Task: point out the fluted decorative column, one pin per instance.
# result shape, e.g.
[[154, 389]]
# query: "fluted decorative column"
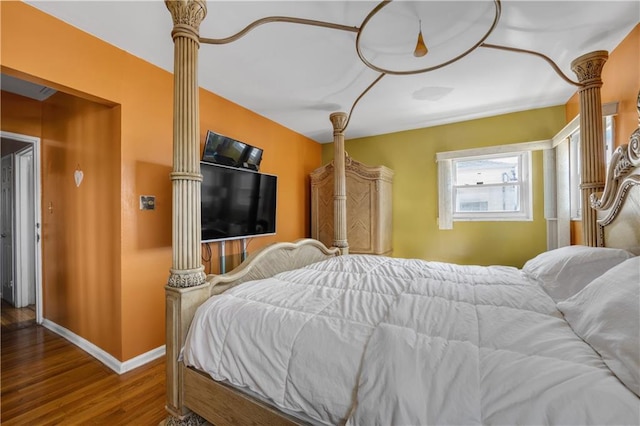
[[588, 68], [187, 269], [339, 120]]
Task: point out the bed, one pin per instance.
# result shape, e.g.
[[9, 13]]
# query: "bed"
[[374, 340], [300, 333]]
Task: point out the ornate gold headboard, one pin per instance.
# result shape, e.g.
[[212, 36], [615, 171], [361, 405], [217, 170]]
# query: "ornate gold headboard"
[[619, 206]]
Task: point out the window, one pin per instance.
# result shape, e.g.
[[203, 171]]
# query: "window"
[[491, 187], [486, 184], [575, 198], [574, 165]]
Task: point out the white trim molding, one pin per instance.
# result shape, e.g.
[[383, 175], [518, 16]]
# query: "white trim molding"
[[608, 109], [445, 162], [495, 150], [101, 355]]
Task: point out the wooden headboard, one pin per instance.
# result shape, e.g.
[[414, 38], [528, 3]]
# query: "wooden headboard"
[[619, 207]]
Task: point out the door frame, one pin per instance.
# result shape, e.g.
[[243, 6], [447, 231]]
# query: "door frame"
[[25, 227], [37, 194]]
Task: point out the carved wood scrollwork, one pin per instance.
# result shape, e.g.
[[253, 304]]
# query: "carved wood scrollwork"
[[634, 146], [620, 179], [187, 12], [589, 67], [624, 159], [191, 419], [188, 278]]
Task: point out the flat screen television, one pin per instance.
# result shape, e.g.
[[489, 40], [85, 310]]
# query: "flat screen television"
[[230, 152], [236, 203]]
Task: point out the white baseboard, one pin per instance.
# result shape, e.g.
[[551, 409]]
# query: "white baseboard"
[[100, 354]]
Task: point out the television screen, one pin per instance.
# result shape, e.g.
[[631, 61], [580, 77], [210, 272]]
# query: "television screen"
[[236, 203], [223, 150]]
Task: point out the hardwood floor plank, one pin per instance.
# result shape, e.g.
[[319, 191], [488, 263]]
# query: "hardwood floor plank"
[[46, 380]]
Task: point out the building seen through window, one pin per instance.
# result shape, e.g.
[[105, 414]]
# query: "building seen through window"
[[487, 184]]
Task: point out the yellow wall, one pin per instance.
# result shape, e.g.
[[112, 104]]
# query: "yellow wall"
[[136, 255], [411, 154]]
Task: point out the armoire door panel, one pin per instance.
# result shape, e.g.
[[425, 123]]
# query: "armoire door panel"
[[369, 207]]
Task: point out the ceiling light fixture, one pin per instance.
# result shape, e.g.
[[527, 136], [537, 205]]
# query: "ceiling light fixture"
[[421, 48]]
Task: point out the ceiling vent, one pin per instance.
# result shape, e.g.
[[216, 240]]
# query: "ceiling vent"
[[25, 88]]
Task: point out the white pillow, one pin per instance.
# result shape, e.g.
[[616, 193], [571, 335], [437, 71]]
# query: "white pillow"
[[606, 315], [565, 271]]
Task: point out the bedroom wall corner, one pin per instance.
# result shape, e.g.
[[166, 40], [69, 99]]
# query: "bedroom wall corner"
[[287, 154], [411, 154], [42, 49], [621, 83], [81, 238]]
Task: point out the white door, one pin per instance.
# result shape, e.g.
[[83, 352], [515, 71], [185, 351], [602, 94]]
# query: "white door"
[[25, 235], [20, 219], [6, 251]]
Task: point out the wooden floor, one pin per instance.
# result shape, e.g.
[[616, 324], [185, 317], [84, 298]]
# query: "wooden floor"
[[46, 380]]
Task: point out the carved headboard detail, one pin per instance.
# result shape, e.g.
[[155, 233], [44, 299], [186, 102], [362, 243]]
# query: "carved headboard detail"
[[619, 205]]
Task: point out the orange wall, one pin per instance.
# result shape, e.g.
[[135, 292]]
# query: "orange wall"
[[20, 115], [80, 224], [42, 49], [621, 83]]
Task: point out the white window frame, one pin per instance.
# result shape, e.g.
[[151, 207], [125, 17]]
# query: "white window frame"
[[575, 194], [575, 197], [523, 184], [446, 187], [557, 209]]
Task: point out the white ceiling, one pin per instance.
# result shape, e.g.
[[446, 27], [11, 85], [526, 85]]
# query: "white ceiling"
[[296, 75]]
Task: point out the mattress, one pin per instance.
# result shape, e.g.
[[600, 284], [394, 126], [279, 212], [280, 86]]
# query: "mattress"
[[376, 340]]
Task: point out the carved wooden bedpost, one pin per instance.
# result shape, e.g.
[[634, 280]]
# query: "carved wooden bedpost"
[[588, 68], [187, 269], [339, 120]]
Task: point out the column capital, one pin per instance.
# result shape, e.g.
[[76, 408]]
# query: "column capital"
[[588, 67], [182, 278], [187, 16], [338, 120]]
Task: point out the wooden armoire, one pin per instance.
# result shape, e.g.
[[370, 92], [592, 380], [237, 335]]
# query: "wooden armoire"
[[369, 207]]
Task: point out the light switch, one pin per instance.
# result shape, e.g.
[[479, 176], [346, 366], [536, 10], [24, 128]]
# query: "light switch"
[[147, 202]]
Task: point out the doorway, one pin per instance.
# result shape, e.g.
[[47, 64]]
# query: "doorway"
[[20, 216]]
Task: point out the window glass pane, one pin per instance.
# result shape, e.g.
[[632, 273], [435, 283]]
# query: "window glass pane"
[[487, 198], [488, 170], [608, 139]]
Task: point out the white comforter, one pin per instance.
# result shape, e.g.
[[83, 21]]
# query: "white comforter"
[[382, 341]]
